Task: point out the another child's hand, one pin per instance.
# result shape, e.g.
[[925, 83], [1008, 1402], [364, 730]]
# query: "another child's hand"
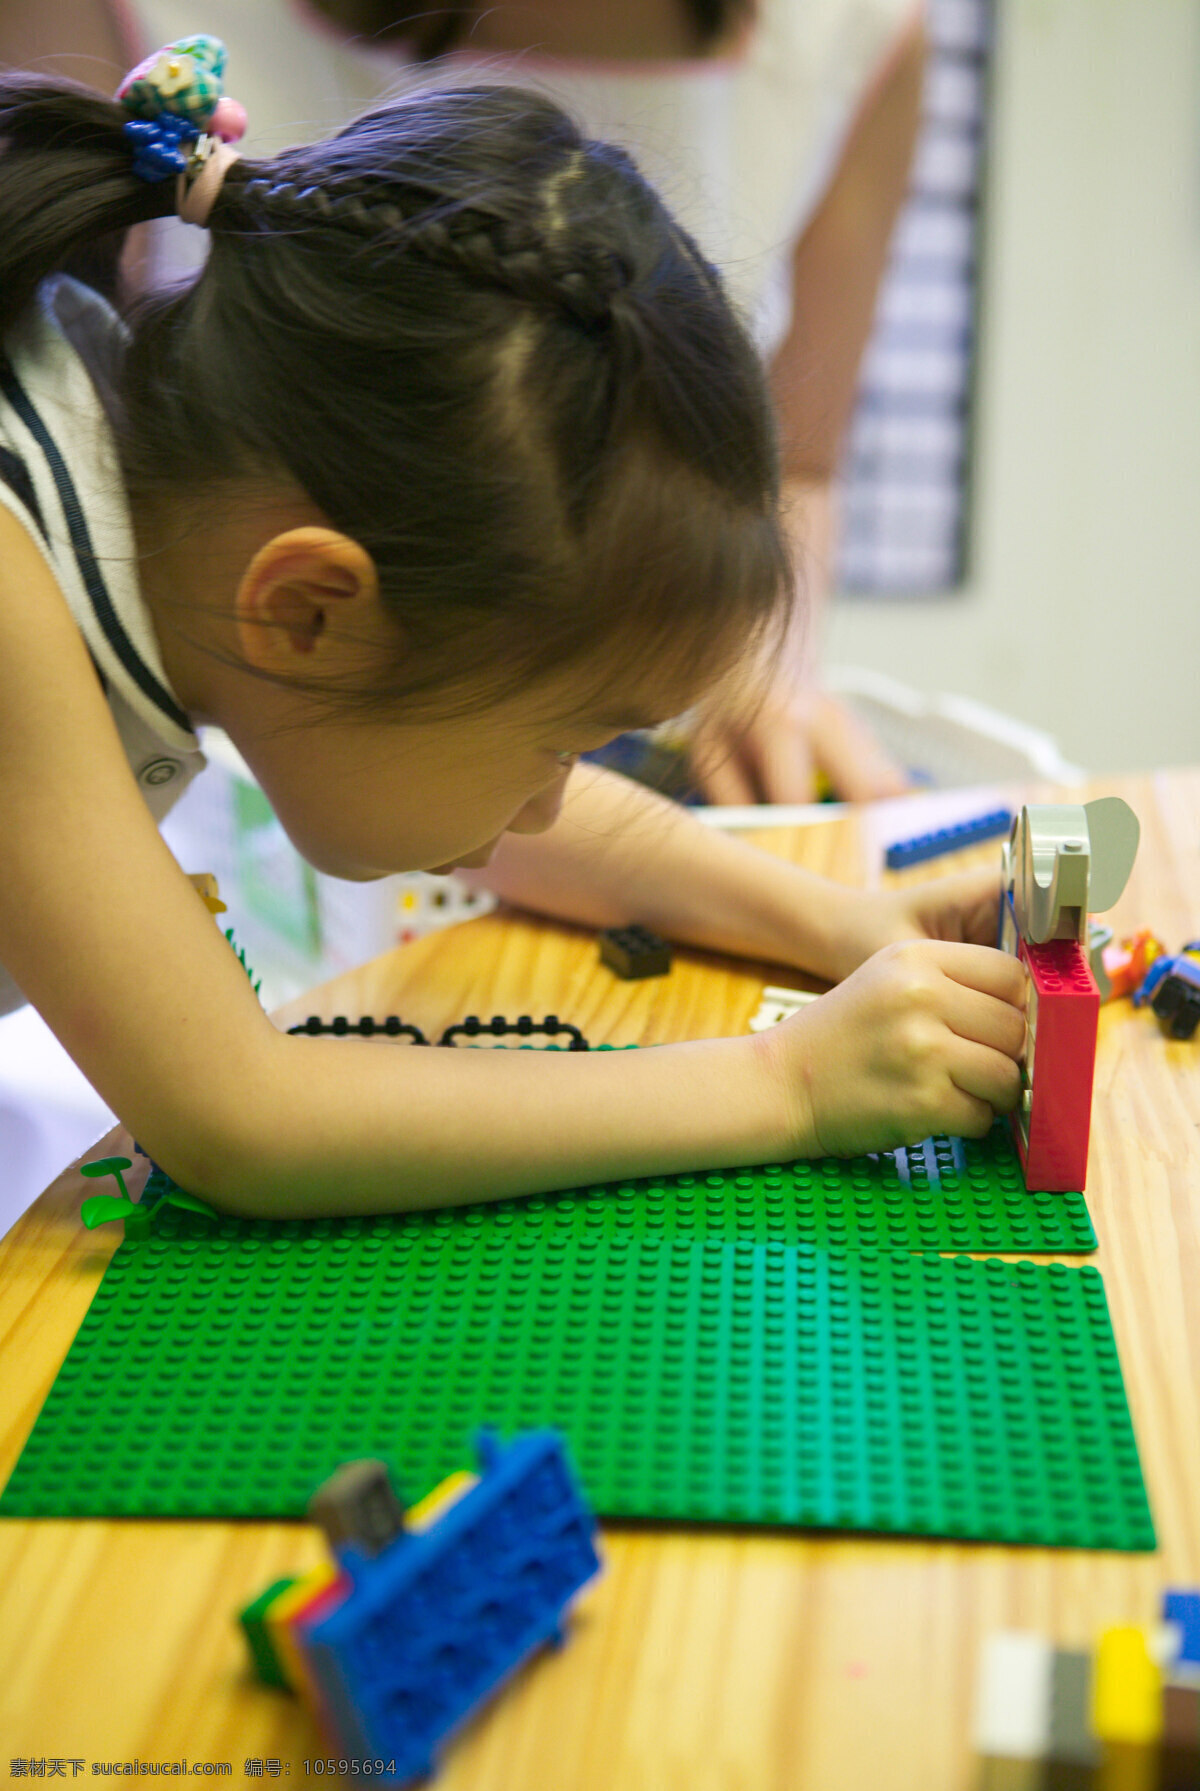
[[963, 908], [924, 1037]]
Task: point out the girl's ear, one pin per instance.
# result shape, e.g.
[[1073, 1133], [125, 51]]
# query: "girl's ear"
[[308, 595]]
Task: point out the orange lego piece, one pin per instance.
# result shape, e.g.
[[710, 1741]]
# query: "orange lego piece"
[[1127, 961]]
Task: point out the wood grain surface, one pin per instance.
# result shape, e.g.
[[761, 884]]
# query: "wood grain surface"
[[703, 1660]]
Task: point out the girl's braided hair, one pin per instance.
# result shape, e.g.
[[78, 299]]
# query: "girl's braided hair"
[[476, 341]]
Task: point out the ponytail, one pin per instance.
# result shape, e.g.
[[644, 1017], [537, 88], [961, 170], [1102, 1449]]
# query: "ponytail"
[[68, 192]]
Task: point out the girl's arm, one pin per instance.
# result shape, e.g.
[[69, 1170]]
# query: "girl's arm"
[[108, 939], [620, 854]]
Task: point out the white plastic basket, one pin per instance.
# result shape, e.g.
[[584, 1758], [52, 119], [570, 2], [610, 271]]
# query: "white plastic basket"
[[948, 742], [951, 740]]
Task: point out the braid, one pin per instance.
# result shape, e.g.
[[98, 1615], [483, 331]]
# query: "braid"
[[480, 346], [508, 254]]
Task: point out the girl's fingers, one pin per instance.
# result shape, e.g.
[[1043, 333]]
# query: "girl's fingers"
[[984, 1019], [855, 761], [726, 785], [985, 969], [973, 1117], [986, 1076], [720, 772], [965, 905], [786, 764]]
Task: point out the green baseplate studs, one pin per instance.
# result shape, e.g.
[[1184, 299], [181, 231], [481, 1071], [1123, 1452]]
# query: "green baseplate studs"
[[765, 1347]]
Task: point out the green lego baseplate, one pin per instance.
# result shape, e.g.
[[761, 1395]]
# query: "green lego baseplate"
[[226, 1367]]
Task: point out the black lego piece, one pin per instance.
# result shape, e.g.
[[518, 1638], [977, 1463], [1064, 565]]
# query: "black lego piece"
[[471, 1028], [340, 1027], [632, 952], [1176, 1000], [498, 1027]]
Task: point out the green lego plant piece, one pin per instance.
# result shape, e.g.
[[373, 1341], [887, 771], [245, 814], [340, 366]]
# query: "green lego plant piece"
[[253, 1620], [240, 955], [225, 1369], [190, 1203], [100, 1209], [108, 1166]]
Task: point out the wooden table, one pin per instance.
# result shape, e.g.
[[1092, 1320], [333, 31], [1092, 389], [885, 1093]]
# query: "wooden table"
[[703, 1661]]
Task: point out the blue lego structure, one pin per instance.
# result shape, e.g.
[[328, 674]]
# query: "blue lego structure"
[[434, 1621], [1184, 1608], [948, 839], [1172, 988]]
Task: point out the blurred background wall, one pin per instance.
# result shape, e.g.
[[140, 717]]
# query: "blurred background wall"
[[1082, 607]]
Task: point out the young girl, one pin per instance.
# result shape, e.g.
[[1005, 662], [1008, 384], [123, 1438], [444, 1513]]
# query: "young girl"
[[452, 463]]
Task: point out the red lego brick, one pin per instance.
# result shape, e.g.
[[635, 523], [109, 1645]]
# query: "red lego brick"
[[1051, 1125]]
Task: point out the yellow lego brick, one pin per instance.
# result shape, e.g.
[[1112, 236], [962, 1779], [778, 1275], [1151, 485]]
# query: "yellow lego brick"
[[301, 1675], [205, 885], [425, 1513], [1127, 1701], [279, 1617]]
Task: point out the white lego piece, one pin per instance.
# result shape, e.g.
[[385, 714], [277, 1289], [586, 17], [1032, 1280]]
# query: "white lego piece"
[[778, 1004], [1012, 1702], [768, 814], [1165, 1642]]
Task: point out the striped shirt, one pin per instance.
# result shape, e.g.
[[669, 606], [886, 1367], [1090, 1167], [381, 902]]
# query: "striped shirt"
[[60, 477]]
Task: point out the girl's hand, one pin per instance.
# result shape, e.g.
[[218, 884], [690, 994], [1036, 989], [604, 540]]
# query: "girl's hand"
[[924, 1037], [962, 909], [776, 755]]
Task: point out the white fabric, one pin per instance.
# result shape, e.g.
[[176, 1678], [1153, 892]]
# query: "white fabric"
[[296, 81], [61, 356], [741, 150]]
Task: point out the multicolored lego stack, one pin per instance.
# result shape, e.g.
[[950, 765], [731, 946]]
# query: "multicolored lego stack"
[[1124, 1718], [417, 1619]]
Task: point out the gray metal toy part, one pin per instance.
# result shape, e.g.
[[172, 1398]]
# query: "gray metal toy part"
[[357, 1506], [1064, 860], [1099, 938]]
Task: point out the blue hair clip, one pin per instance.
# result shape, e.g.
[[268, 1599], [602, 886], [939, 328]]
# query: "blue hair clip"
[[161, 146], [175, 97]]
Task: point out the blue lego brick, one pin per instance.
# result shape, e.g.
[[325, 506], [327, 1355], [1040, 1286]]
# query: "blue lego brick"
[[1175, 997], [434, 1623], [1182, 963], [948, 839], [1184, 1608], [1160, 969]]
